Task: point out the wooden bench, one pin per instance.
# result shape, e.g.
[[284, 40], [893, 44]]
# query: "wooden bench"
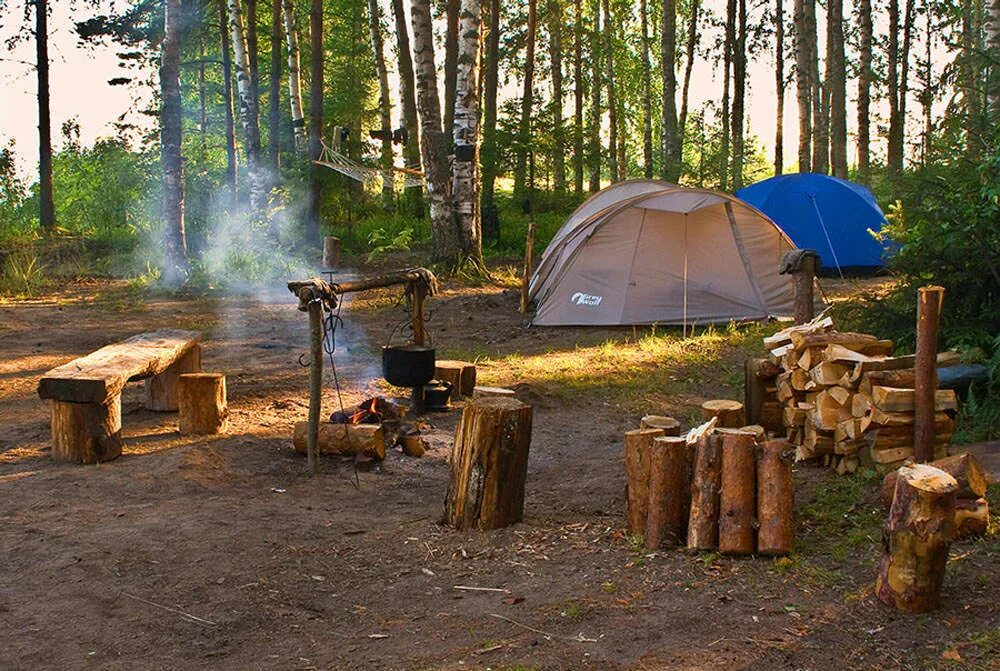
[[86, 392]]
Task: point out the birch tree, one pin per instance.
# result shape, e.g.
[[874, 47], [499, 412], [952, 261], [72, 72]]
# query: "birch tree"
[[384, 103], [691, 48], [294, 78], [408, 103], [466, 134], [249, 116]]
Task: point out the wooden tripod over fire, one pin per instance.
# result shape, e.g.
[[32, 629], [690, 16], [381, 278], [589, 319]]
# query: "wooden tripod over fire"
[[316, 296]]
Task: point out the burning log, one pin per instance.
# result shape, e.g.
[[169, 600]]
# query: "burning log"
[[343, 439]]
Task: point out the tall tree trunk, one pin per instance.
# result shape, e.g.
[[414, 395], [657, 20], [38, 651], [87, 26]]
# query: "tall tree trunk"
[[252, 44], [384, 103], [820, 100], [171, 118], [248, 112], [465, 166], [613, 166], [433, 144], [892, 76], [927, 94], [647, 96], [693, 36], [451, 37], [527, 100], [555, 51], [898, 132], [488, 152], [969, 83], [227, 94], [594, 140], [316, 59], [274, 90], [671, 141], [836, 80], [294, 77], [727, 68], [46, 204], [779, 87], [202, 96], [865, 77], [578, 96], [803, 81], [992, 38], [407, 95], [739, 94]]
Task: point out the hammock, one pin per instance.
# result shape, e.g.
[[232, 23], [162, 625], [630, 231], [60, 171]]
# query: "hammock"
[[333, 159]]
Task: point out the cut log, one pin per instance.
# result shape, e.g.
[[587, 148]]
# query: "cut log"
[[638, 444], [161, 390], [706, 482], [775, 499], [929, 300], [972, 517], [87, 433], [861, 405], [863, 343], [963, 467], [759, 434], [413, 446], [784, 336], [728, 413], [898, 399], [827, 373], [101, 375], [461, 375], [828, 412], [201, 399], [669, 425], [487, 392], [801, 380], [489, 464], [850, 429], [737, 498], [899, 418], [944, 359], [902, 377], [344, 439], [669, 492], [880, 440], [843, 355], [916, 539], [841, 395], [817, 441], [892, 455]]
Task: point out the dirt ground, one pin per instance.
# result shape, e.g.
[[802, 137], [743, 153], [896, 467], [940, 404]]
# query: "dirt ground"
[[224, 553]]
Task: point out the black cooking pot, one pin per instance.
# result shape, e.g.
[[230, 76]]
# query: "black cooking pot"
[[408, 365], [437, 395]]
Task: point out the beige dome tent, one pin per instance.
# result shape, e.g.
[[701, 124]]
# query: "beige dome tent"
[[645, 252]]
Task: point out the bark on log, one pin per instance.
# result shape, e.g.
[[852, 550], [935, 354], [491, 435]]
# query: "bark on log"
[[201, 399], [916, 539], [706, 482], [896, 399], [364, 439], [489, 464], [87, 433], [638, 444], [737, 498], [729, 413], [161, 390], [754, 390], [925, 402], [972, 517], [461, 374], [669, 492], [669, 425], [963, 467], [775, 499]]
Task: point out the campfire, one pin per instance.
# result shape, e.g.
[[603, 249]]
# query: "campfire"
[[369, 411]]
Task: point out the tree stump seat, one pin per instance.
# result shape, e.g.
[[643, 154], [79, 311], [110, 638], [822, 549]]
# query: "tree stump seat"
[[86, 392]]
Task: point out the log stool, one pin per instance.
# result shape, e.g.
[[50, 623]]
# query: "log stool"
[[489, 464], [461, 374], [201, 401], [161, 390], [87, 433], [729, 413], [669, 425]]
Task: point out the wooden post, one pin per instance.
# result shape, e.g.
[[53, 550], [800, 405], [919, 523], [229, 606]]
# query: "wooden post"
[[87, 433], [201, 400], [775, 499], [161, 390], [706, 481], [529, 251], [315, 381], [803, 280], [489, 464], [916, 539], [669, 492], [737, 498], [638, 444], [929, 300], [754, 390], [331, 252]]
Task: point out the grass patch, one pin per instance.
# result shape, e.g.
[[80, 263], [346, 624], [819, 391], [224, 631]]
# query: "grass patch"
[[842, 517]]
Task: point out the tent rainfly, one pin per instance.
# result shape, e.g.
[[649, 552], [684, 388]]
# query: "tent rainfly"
[[833, 216], [649, 252]]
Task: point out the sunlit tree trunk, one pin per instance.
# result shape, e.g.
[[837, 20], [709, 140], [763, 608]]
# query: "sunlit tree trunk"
[[274, 90], [693, 37], [407, 95], [779, 87], [579, 92], [384, 103], [527, 100], [248, 112], [451, 38], [465, 173], [836, 81], [670, 138], [294, 77], [227, 94], [252, 48], [927, 94], [316, 60], [171, 118], [609, 77], [433, 144], [555, 56], [865, 77], [594, 138], [820, 100], [739, 94], [727, 65], [647, 97], [488, 153], [46, 204], [803, 81]]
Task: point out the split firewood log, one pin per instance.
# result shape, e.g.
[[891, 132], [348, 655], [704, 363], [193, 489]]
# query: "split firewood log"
[[963, 467], [706, 483], [898, 399], [775, 498]]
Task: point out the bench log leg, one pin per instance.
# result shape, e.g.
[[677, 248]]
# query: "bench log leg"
[[87, 433], [161, 390]]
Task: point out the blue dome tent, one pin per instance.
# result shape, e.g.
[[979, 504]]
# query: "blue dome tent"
[[831, 215]]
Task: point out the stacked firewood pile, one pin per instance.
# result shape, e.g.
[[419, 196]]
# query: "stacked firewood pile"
[[846, 400]]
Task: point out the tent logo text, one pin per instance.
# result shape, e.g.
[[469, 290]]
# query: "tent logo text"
[[580, 298]]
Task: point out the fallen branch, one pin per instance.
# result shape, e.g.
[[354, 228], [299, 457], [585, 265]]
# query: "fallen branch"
[[579, 638], [189, 616], [469, 588]]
